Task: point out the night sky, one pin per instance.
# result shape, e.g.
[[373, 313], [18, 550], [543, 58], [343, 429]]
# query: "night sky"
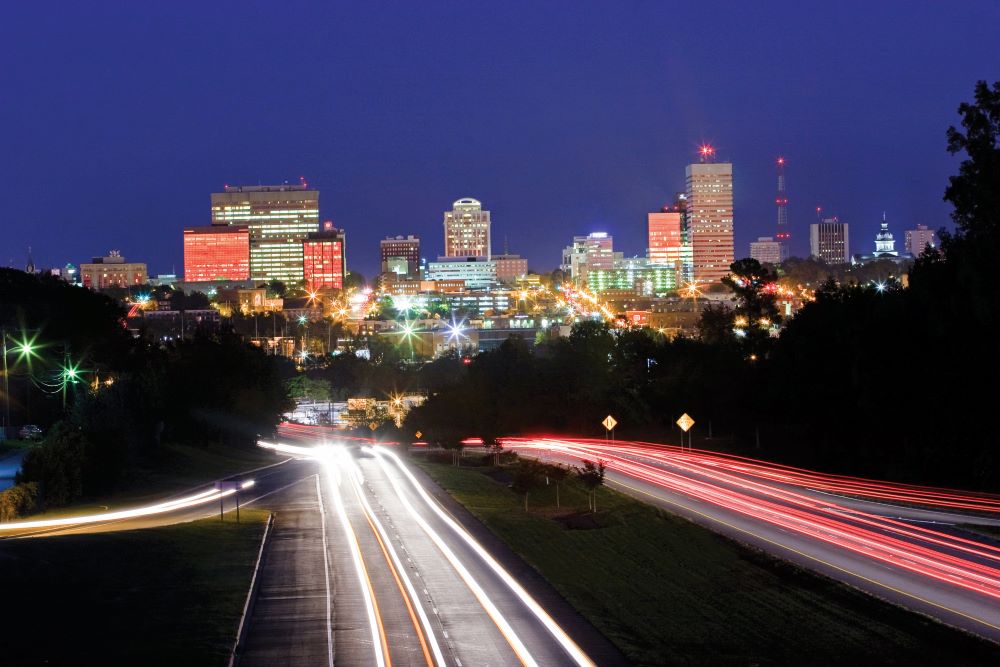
[[118, 119]]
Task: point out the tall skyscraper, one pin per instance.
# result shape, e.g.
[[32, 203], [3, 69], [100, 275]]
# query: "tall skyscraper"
[[919, 239], [324, 258], [829, 240], [467, 230], [400, 255], [710, 217], [278, 217], [216, 252]]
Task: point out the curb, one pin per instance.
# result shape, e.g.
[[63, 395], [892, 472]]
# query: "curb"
[[241, 631]]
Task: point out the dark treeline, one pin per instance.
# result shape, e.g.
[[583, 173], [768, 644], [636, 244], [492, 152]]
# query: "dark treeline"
[[897, 383], [127, 396]]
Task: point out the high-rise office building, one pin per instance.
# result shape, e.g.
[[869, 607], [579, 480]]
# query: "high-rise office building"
[[767, 251], [400, 255], [668, 239], [324, 259], [829, 240], [216, 252], [278, 217], [467, 230], [919, 239], [594, 251], [710, 218]]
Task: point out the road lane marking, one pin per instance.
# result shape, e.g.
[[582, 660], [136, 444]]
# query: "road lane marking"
[[406, 592], [564, 640], [379, 642], [506, 631], [326, 572]]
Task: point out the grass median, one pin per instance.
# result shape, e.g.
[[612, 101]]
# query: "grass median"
[[667, 591], [161, 596]]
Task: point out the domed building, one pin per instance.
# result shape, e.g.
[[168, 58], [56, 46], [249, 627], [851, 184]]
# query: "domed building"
[[885, 248], [885, 245]]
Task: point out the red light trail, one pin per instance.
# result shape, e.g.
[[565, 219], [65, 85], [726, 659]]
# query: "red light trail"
[[784, 496]]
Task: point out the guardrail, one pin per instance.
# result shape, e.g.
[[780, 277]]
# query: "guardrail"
[[234, 655]]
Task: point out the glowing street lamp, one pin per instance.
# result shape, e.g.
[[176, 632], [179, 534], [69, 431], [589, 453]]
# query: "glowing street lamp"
[[455, 331]]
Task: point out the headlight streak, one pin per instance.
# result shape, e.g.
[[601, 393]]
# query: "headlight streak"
[[382, 658], [339, 466], [149, 510], [564, 640], [502, 624], [399, 573], [805, 516]]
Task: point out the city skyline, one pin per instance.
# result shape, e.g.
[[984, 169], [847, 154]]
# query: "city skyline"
[[551, 158]]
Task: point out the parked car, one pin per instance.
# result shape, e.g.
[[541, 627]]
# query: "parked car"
[[30, 432]]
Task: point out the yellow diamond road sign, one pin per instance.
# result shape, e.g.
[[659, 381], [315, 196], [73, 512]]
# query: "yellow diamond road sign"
[[373, 425], [419, 435], [609, 422], [685, 422]]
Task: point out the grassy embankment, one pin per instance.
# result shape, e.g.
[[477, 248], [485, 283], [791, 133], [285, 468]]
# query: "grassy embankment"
[[667, 591], [162, 596]]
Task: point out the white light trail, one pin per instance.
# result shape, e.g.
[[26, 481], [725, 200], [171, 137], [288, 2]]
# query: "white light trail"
[[424, 620], [136, 512], [325, 457], [502, 624], [568, 645]]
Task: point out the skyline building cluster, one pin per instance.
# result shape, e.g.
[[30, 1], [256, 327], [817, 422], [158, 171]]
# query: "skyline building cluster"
[[265, 233], [688, 242]]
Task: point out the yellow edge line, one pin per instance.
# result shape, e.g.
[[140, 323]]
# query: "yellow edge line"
[[402, 591]]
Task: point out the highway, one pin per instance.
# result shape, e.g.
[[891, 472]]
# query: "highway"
[[898, 542], [365, 567], [391, 574]]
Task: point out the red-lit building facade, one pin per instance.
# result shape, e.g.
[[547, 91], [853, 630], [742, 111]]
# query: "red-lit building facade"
[[217, 252], [324, 261]]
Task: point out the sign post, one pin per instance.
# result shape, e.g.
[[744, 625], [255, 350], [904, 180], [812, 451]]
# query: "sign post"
[[229, 485], [609, 424], [685, 422]]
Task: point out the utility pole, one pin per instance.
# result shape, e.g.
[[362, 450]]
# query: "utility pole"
[[6, 385]]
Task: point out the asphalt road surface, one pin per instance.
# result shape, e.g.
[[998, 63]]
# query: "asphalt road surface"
[[370, 564], [916, 556], [366, 567]]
